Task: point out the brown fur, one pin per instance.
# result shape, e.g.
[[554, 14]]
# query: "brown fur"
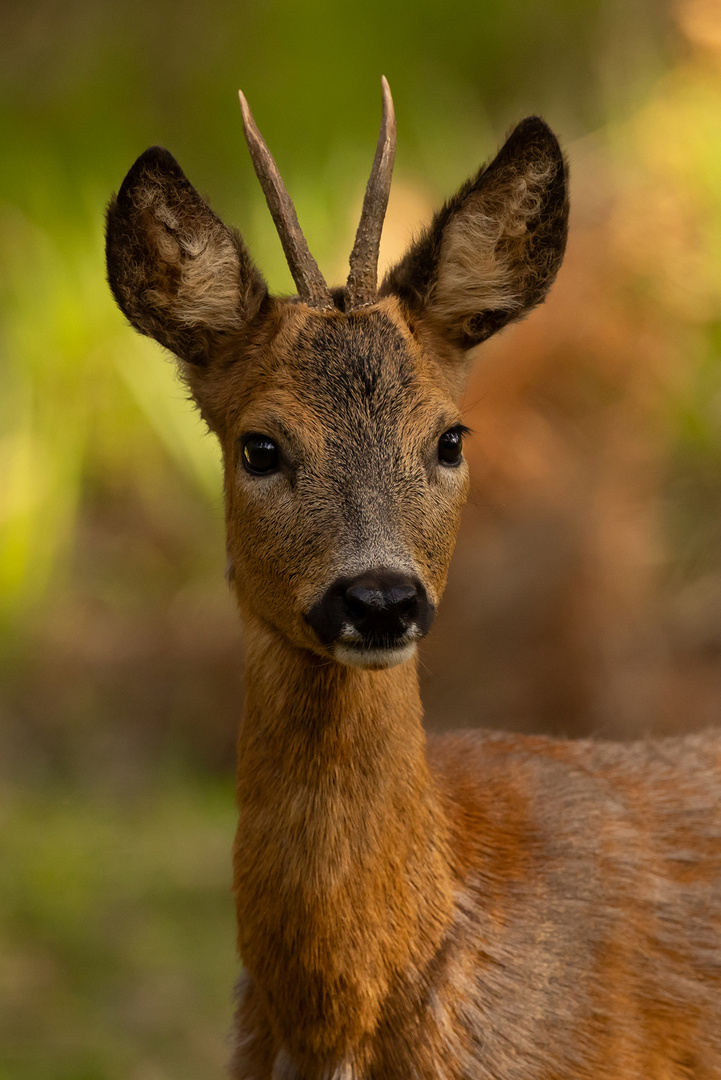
[[490, 907]]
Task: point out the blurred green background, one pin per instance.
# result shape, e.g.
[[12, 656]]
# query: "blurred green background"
[[586, 591]]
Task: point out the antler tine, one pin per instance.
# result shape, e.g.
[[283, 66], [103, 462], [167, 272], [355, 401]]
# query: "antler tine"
[[308, 279], [362, 279]]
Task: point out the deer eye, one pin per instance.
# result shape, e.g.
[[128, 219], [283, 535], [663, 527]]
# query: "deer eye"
[[260, 455], [450, 445]]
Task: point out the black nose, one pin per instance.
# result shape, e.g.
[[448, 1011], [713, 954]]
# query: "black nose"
[[376, 609], [380, 607]]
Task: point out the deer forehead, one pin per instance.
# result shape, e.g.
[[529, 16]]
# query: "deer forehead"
[[333, 380]]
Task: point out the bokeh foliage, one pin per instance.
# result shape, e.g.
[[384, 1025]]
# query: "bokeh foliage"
[[116, 936]]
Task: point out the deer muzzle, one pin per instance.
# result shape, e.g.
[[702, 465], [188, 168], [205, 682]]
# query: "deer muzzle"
[[374, 619]]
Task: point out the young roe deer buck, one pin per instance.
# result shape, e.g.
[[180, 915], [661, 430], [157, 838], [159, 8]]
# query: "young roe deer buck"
[[474, 906]]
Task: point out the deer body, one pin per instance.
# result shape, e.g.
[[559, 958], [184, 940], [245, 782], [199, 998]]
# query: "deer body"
[[496, 907], [488, 906]]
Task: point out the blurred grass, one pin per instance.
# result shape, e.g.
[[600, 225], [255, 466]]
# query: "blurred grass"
[[116, 954]]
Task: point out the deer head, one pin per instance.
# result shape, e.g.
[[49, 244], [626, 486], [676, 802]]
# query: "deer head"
[[336, 410]]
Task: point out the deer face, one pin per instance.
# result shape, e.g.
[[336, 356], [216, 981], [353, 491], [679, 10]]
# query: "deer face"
[[344, 482], [336, 413]]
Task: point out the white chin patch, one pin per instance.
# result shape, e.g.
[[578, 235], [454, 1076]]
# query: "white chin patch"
[[374, 658]]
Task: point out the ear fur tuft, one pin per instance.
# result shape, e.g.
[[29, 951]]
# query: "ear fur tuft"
[[177, 273], [491, 254]]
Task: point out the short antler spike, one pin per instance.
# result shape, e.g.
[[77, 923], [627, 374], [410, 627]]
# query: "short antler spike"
[[362, 279], [308, 279]]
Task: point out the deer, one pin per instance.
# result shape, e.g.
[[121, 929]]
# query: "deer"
[[473, 906]]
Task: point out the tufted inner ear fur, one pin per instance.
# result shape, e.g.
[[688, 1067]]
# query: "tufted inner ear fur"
[[491, 254], [177, 272]]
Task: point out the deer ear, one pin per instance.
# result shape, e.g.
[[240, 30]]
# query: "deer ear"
[[176, 271], [491, 254]]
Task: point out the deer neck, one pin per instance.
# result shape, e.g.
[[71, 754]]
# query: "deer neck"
[[342, 879]]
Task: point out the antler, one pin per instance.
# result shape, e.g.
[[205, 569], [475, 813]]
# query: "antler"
[[308, 279], [361, 288]]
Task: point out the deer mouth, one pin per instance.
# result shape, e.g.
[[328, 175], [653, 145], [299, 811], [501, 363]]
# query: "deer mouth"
[[354, 650]]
